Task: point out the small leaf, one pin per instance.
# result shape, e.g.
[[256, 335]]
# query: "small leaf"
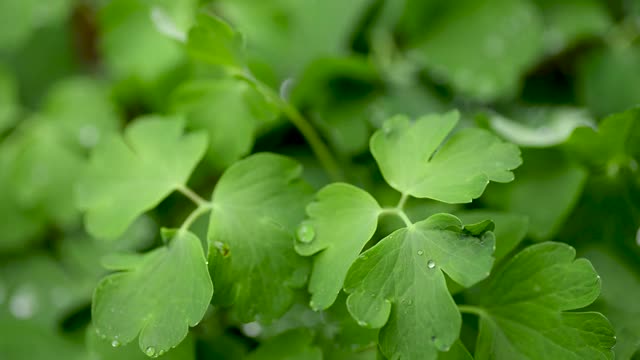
[[525, 309], [399, 285], [214, 42], [414, 161], [157, 295], [139, 169], [343, 218], [257, 205]]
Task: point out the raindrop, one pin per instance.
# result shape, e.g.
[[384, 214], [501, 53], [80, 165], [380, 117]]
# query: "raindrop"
[[431, 264], [305, 233], [115, 343], [252, 329], [362, 323], [420, 252], [88, 136], [23, 304], [151, 351]]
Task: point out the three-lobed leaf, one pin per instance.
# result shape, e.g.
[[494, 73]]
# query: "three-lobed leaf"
[[341, 221], [157, 296], [399, 284], [414, 160], [526, 307], [138, 170], [257, 205]]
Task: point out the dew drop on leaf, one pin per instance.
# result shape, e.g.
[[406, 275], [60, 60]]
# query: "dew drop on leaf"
[[431, 264], [362, 323], [420, 252], [151, 351], [115, 343], [305, 233]]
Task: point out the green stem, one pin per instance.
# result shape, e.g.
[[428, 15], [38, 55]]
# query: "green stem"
[[197, 199], [195, 214], [399, 213], [470, 309], [319, 148], [403, 201]]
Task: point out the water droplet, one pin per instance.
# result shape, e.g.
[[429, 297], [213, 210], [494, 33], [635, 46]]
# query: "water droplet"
[[362, 323], [314, 306], [161, 352], [206, 262], [363, 257], [305, 233], [420, 252], [431, 264], [88, 136], [23, 304], [252, 329], [115, 343], [151, 351]]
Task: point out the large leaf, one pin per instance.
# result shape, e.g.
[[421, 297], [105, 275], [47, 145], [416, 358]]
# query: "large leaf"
[[414, 161], [525, 309], [139, 169], [341, 221], [465, 46], [157, 295], [399, 284], [257, 204]]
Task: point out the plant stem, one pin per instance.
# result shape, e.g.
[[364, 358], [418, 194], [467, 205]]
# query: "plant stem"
[[195, 214], [470, 309], [403, 201], [399, 213], [319, 148], [197, 199]]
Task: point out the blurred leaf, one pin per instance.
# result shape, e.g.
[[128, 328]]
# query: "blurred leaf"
[[214, 42], [609, 79], [19, 19], [152, 159], [292, 345], [465, 46], [9, 105], [82, 109], [569, 21], [229, 110], [539, 127], [289, 34], [546, 189]]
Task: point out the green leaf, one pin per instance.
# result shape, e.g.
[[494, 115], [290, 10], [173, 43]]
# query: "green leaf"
[[341, 221], [399, 284], [19, 19], [83, 110], [139, 169], [547, 200], [291, 345], [509, 232], [101, 349], [212, 41], [465, 46], [608, 79], [157, 295], [414, 161], [289, 34], [132, 46], [257, 204], [569, 21], [620, 291], [526, 307], [228, 109], [9, 106]]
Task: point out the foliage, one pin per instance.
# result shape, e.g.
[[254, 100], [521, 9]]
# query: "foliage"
[[286, 179]]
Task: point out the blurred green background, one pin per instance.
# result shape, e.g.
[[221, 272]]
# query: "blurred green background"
[[532, 71]]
